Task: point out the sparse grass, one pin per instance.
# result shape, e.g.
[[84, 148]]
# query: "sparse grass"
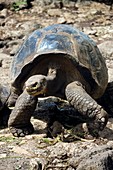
[[46, 140], [16, 6], [8, 139]]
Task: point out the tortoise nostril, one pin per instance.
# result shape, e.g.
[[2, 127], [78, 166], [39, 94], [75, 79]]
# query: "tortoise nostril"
[[34, 85]]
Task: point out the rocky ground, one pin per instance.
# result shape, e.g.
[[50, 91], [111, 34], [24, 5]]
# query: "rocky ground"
[[36, 152]]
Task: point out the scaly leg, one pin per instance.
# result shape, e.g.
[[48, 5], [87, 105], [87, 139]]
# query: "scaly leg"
[[19, 120], [107, 99], [14, 94], [86, 105]]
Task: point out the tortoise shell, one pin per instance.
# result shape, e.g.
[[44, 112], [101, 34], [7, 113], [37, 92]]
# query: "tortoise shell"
[[62, 39]]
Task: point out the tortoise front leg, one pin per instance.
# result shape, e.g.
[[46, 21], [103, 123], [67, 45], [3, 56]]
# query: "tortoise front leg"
[[19, 120], [86, 105]]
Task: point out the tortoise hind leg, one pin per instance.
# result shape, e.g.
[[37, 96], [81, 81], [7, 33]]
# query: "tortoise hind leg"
[[107, 99], [14, 94], [19, 120], [86, 105]]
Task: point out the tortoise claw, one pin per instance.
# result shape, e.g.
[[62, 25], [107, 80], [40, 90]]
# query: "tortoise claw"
[[102, 123], [21, 131], [99, 123], [101, 119]]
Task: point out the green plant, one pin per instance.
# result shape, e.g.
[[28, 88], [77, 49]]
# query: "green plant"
[[16, 6], [7, 139]]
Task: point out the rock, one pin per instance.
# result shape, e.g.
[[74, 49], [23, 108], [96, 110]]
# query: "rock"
[[89, 31], [28, 27], [21, 150], [61, 154], [44, 2], [14, 50], [107, 132], [3, 155], [110, 69], [69, 17], [98, 158], [61, 20], [54, 12], [55, 3], [55, 129], [4, 13], [4, 60], [38, 163], [106, 49], [95, 12], [52, 109]]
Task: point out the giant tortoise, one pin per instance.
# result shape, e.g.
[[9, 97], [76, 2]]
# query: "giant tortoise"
[[60, 61]]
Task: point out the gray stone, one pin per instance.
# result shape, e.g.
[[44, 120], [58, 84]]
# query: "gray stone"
[[110, 69], [54, 12], [106, 49], [4, 13], [38, 163], [98, 158], [5, 60]]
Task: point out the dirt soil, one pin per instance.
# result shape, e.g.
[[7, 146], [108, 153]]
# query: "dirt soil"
[[36, 152]]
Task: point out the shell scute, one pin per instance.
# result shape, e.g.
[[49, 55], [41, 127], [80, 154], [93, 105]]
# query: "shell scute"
[[55, 42], [23, 54]]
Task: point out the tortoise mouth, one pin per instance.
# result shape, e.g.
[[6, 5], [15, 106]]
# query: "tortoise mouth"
[[36, 91]]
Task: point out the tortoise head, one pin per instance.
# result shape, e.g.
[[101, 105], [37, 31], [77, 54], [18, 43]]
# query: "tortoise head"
[[36, 85]]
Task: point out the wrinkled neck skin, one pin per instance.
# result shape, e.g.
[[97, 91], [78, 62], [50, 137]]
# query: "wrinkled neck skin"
[[52, 74], [52, 81]]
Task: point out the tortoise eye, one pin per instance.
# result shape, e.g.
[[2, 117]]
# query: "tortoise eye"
[[43, 82]]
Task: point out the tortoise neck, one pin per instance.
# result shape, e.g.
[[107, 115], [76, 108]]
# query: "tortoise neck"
[[52, 74], [52, 81]]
